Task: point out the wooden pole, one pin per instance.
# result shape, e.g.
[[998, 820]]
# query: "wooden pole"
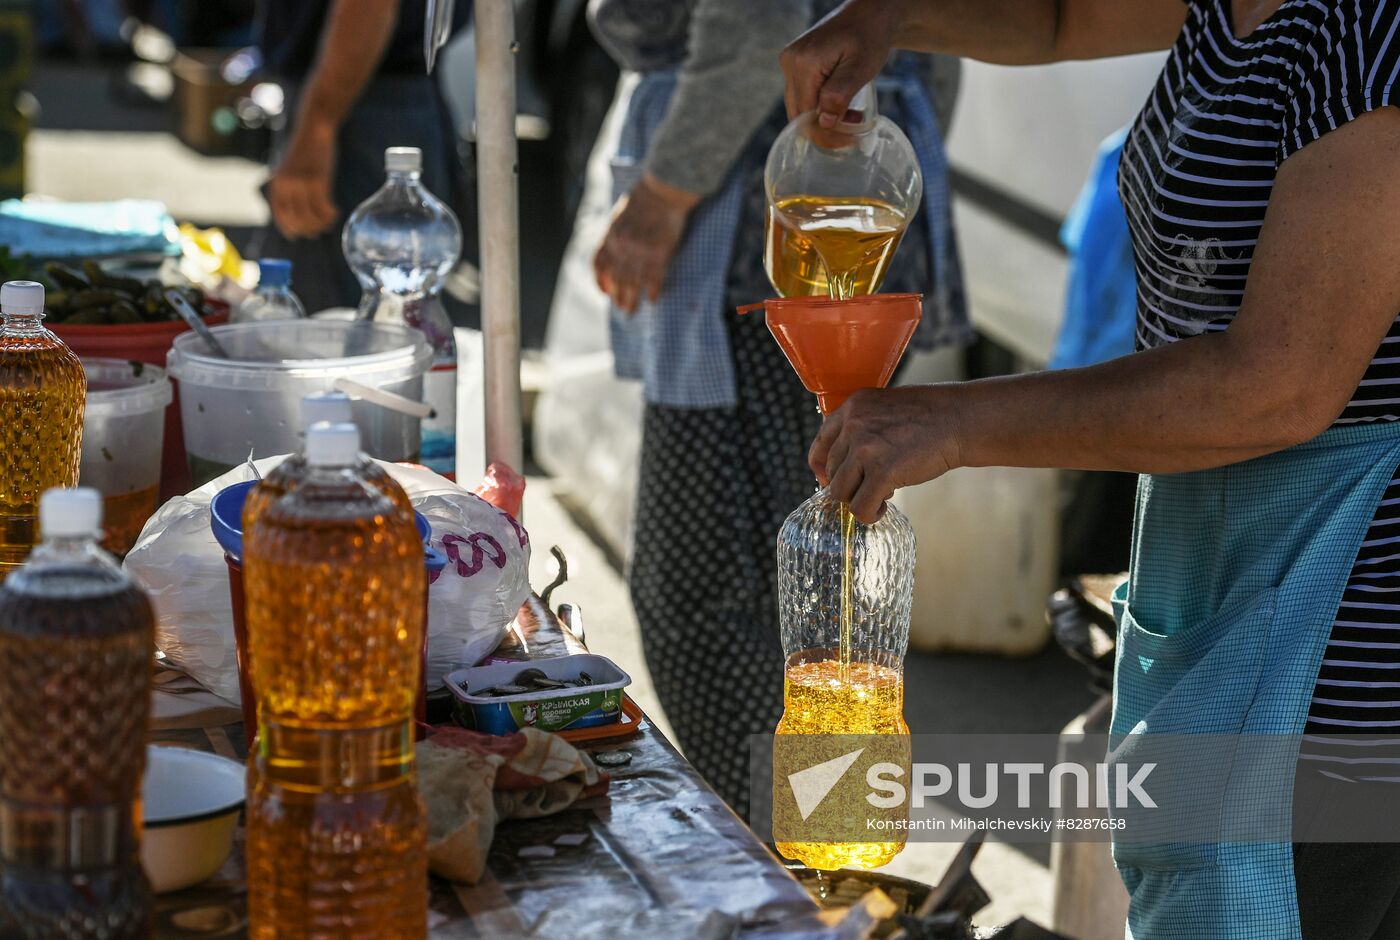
[[498, 205]]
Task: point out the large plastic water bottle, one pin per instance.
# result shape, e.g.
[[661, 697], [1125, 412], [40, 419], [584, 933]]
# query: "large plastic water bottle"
[[401, 243], [273, 300]]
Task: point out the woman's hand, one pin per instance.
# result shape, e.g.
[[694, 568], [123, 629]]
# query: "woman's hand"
[[882, 439], [829, 63], [646, 228]]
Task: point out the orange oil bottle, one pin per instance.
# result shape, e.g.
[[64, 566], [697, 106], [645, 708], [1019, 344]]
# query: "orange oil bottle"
[[334, 580], [42, 393]]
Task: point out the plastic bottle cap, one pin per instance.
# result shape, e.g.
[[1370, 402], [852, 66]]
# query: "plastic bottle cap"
[[403, 160], [22, 297], [332, 445], [70, 513], [332, 407], [274, 272]]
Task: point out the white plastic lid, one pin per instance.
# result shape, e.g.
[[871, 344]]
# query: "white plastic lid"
[[403, 160], [332, 445], [70, 513], [22, 297], [333, 407]]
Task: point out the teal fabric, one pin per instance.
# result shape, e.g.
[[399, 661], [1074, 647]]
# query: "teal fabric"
[[1235, 580]]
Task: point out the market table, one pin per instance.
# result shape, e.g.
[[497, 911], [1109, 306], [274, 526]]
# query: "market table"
[[660, 856]]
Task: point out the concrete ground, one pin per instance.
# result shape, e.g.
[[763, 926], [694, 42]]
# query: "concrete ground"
[[107, 157]]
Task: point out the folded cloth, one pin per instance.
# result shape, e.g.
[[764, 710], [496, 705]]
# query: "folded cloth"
[[469, 781], [54, 229]]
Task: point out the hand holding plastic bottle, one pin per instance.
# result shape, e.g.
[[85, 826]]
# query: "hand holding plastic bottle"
[[844, 51]]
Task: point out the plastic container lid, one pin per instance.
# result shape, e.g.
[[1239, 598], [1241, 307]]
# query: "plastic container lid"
[[334, 407], [403, 160], [117, 387], [282, 354], [332, 445], [22, 297], [274, 272], [74, 513], [226, 519]]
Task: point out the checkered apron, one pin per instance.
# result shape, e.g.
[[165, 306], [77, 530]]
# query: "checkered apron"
[[1236, 576]]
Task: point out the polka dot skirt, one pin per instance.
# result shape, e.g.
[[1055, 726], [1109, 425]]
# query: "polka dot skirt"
[[715, 487]]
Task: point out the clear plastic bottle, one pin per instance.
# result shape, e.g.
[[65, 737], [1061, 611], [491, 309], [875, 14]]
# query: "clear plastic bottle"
[[43, 392], [273, 300], [334, 578], [839, 201], [401, 243], [334, 408], [845, 596], [76, 641]]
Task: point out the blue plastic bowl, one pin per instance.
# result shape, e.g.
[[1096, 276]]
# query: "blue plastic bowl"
[[226, 519]]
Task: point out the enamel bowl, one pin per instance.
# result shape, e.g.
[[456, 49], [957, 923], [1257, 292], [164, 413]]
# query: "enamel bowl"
[[191, 801]]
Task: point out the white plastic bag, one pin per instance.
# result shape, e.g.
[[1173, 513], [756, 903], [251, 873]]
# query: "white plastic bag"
[[471, 602]]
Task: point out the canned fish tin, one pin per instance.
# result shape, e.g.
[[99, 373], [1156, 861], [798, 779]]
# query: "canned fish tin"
[[565, 692]]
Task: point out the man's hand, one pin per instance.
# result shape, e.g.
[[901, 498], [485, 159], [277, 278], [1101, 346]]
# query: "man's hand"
[[646, 228], [829, 63], [882, 439], [353, 42], [299, 192]]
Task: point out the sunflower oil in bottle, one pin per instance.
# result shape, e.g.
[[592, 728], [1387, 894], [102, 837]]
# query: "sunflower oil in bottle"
[[43, 390], [334, 580], [839, 201], [845, 597], [332, 407], [838, 247], [76, 645]]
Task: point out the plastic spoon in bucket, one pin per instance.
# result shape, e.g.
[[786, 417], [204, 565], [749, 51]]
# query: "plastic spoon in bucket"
[[385, 399], [188, 314]]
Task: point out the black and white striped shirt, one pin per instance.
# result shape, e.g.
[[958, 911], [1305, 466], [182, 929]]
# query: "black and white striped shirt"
[[1199, 164], [1196, 175]]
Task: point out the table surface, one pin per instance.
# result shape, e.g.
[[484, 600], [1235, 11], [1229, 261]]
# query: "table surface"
[[660, 856]]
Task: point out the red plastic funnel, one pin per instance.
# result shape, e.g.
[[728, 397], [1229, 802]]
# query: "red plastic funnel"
[[841, 346]]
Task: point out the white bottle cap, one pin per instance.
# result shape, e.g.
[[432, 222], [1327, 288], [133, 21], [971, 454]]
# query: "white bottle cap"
[[332, 445], [326, 406], [71, 513], [22, 297], [403, 160]]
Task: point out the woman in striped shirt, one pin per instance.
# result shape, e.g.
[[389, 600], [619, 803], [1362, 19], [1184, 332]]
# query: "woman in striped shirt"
[[1262, 185]]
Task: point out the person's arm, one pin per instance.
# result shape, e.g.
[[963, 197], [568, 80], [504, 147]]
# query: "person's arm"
[[1323, 289], [728, 83], [826, 65], [356, 35]]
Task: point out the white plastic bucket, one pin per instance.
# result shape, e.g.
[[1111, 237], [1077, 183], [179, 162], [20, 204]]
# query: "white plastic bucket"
[[123, 432], [251, 401]]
